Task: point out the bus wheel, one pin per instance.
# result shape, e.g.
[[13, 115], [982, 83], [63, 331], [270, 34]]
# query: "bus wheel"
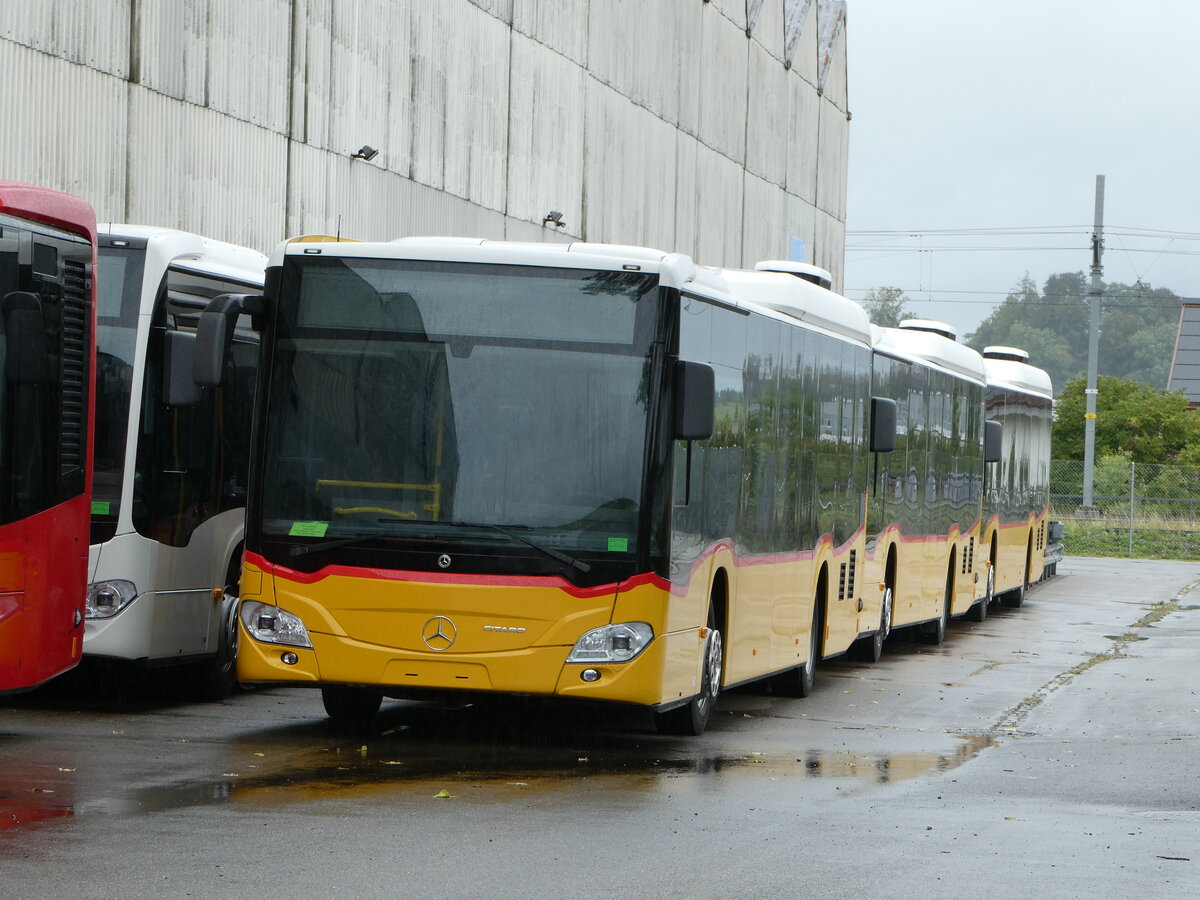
[[692, 717], [1015, 598], [351, 707], [218, 674], [935, 631], [869, 649], [979, 611], [798, 682]]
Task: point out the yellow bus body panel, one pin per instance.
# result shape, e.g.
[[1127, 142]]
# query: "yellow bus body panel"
[[369, 631]]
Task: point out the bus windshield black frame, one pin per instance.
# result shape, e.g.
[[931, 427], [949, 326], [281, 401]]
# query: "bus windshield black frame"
[[496, 416]]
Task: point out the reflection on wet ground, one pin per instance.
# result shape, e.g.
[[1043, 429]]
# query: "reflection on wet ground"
[[487, 752]]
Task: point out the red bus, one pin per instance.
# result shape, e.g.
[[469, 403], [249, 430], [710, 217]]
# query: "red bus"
[[47, 361]]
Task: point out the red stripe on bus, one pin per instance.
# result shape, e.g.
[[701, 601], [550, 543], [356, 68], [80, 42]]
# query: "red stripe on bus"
[[541, 581]]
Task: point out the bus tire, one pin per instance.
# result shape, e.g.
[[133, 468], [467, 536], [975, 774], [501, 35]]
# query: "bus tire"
[[218, 674], [798, 681], [691, 718], [870, 648], [351, 707], [1015, 599], [935, 631], [979, 611]]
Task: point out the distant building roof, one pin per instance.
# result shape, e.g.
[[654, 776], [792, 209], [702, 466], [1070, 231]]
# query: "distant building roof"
[[1185, 362]]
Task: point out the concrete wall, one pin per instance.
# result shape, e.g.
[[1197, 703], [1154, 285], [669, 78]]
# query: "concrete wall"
[[656, 122]]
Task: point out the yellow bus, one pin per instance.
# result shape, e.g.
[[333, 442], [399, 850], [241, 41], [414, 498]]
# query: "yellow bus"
[[926, 504], [1016, 508], [578, 471]]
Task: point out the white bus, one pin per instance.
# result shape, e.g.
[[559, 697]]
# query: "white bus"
[[170, 458]]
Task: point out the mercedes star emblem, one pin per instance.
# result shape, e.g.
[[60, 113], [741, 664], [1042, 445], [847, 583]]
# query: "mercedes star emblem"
[[444, 560], [439, 633]]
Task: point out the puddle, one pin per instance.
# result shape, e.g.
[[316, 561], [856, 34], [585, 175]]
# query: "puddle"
[[338, 774]]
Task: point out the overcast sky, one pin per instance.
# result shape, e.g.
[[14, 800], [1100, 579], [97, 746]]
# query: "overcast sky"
[[980, 114]]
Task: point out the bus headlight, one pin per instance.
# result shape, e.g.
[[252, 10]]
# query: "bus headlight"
[[612, 643], [105, 599], [272, 625]]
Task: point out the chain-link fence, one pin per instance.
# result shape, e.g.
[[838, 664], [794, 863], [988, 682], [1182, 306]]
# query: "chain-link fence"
[[1138, 509]]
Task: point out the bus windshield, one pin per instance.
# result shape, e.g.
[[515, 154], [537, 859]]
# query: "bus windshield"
[[416, 401]]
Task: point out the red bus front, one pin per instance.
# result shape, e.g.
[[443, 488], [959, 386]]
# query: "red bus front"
[[47, 361]]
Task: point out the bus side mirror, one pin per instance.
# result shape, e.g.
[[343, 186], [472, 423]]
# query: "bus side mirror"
[[25, 339], [883, 425], [695, 401], [993, 441], [214, 334], [179, 383]]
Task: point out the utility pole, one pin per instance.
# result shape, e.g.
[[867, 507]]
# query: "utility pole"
[[1094, 294]]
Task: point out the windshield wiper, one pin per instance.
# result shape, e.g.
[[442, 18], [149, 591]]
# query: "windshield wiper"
[[557, 555], [305, 549]]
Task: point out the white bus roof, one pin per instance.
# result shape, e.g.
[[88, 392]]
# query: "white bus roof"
[[168, 246], [932, 349], [774, 292], [1018, 376]]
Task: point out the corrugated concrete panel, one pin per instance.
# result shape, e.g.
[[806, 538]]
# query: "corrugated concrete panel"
[[638, 48], [501, 9], [690, 65], [351, 85], [833, 149], [94, 33], [734, 10], [561, 25], [768, 114], [170, 48], [687, 194], [801, 222], [768, 31], [829, 245], [249, 60], [546, 135], [331, 194], [764, 222], [835, 82], [831, 22], [629, 172], [78, 147], [804, 63], [803, 121], [719, 204], [460, 96], [724, 49], [473, 119], [201, 171]]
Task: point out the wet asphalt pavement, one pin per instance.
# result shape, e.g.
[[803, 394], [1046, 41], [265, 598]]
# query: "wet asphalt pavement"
[[1050, 751]]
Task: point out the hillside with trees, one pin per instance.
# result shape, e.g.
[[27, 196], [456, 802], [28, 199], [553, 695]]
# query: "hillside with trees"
[[1137, 331]]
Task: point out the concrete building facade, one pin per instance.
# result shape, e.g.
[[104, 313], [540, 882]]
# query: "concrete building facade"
[[716, 128]]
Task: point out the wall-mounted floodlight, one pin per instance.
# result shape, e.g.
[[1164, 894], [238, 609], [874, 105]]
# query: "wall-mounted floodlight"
[[366, 153], [554, 217]]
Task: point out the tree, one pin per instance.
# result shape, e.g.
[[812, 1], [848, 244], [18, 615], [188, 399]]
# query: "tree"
[[1137, 332], [1142, 423], [886, 307]]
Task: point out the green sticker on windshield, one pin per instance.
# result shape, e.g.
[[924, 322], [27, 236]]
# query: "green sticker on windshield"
[[101, 508], [618, 545], [309, 529]]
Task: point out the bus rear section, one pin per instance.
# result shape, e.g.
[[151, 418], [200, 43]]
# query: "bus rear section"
[[171, 457], [47, 254]]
